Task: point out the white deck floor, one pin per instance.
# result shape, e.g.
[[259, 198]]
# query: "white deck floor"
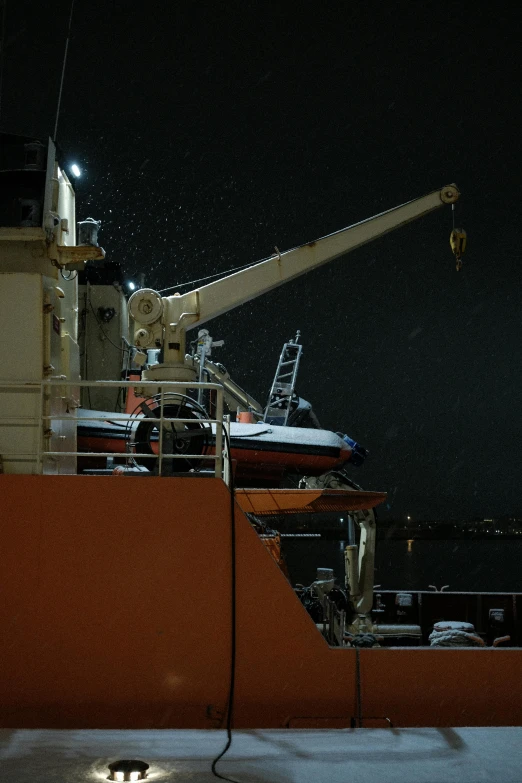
[[284, 756]]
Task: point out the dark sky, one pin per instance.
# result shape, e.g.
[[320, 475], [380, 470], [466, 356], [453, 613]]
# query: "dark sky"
[[211, 132]]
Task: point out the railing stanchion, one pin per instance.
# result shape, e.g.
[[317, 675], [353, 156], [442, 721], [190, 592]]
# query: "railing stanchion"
[[218, 464], [160, 438]]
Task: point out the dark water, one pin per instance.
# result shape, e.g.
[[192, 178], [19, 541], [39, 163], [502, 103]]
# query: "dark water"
[[477, 565]]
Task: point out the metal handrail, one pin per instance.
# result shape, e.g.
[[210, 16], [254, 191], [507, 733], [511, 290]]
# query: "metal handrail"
[[43, 388]]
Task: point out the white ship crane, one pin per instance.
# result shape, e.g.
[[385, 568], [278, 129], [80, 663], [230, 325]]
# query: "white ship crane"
[[162, 321]]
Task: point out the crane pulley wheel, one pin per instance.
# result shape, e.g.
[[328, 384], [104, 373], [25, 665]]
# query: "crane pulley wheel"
[[449, 194], [186, 431], [146, 306]]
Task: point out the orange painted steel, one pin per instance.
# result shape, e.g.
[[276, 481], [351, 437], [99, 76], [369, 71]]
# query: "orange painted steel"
[[272, 544], [251, 463], [115, 613], [442, 687], [281, 501], [116, 610]]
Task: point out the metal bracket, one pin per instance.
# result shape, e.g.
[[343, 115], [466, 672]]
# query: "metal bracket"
[[74, 256]]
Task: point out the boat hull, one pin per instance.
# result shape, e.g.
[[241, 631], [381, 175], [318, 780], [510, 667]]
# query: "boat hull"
[[261, 452]]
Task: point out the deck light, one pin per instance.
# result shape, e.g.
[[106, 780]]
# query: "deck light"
[[75, 170], [88, 232], [128, 769], [131, 285]]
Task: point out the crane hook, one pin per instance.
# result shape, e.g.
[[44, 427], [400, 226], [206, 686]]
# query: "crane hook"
[[458, 239]]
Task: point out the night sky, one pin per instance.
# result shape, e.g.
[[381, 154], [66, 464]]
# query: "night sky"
[[211, 132]]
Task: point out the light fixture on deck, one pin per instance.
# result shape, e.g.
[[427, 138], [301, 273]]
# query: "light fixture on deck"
[[88, 232], [75, 170], [128, 769]]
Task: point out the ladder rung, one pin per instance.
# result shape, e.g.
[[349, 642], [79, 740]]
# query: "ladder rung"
[[282, 391]]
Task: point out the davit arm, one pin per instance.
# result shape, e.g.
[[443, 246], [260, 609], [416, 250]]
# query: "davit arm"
[[162, 321]]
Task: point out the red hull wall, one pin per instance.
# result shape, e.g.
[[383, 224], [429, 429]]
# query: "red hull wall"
[[115, 613]]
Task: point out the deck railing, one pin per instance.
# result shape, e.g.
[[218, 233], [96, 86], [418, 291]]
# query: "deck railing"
[[63, 396]]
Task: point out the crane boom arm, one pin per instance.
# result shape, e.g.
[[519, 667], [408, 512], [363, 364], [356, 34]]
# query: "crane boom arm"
[[229, 292], [164, 320]]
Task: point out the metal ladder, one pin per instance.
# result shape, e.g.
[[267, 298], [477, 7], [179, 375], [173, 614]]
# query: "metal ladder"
[[278, 407]]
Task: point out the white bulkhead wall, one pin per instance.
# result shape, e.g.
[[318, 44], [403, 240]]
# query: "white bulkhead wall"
[[103, 354], [38, 337]]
